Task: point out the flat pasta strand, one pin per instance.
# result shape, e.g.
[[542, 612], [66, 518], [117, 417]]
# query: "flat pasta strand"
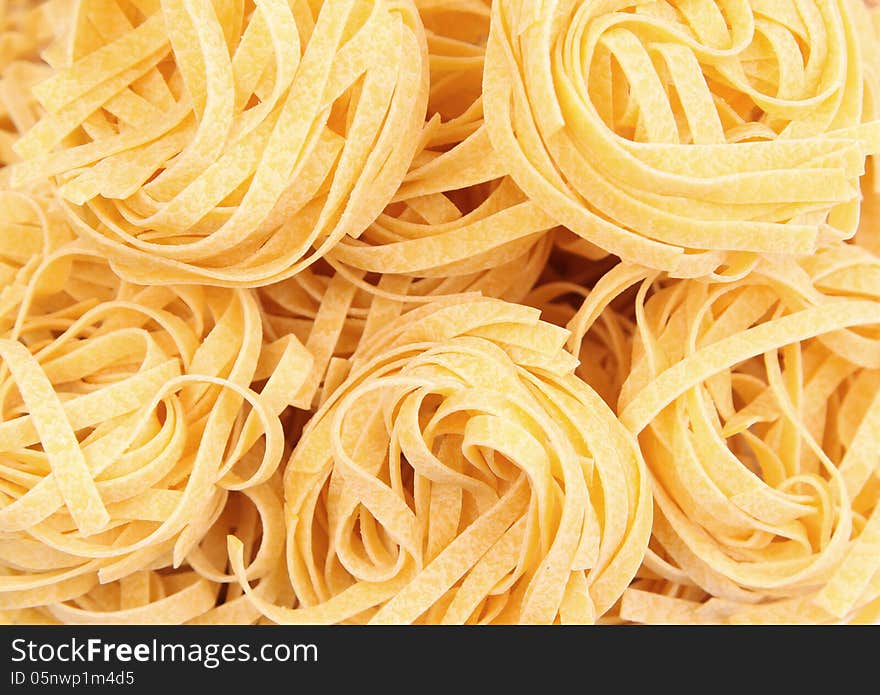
[[268, 139], [692, 138]]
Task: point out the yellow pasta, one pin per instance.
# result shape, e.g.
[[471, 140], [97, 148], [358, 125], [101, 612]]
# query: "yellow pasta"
[[191, 593], [331, 312], [691, 137], [23, 28], [22, 34], [461, 474], [601, 335], [18, 108], [868, 234], [439, 311], [757, 408], [31, 228], [456, 212], [127, 420], [256, 517], [225, 143]]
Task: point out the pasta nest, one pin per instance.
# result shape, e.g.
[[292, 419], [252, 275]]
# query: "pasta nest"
[[462, 474], [191, 593], [126, 418], [688, 137], [228, 143], [758, 415], [457, 214]]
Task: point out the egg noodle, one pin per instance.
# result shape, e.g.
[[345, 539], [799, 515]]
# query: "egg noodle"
[[690, 137], [233, 106], [439, 311]]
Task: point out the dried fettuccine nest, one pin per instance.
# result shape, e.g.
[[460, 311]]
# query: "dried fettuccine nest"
[[461, 474], [694, 137], [757, 409], [457, 213], [228, 143], [194, 592], [126, 419]]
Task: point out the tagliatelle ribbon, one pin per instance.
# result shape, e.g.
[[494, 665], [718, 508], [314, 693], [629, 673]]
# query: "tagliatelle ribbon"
[[23, 33], [692, 138], [456, 214], [757, 412], [127, 422], [439, 312], [272, 134], [461, 474]]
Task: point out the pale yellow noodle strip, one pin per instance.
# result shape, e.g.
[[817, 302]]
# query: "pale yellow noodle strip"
[[64, 453], [725, 353], [175, 609]]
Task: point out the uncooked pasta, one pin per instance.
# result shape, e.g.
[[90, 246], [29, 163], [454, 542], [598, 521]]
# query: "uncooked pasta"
[[127, 420], [175, 130], [689, 137], [462, 474], [757, 409], [439, 312]]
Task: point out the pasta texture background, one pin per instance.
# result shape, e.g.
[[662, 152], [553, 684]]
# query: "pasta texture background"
[[233, 104], [439, 311]]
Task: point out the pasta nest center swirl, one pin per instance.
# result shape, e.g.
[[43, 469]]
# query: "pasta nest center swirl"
[[757, 410], [228, 143], [690, 137], [463, 474]]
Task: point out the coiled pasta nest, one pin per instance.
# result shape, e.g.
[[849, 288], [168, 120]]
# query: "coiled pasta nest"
[[126, 418], [687, 137], [460, 474], [228, 144], [757, 408]]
